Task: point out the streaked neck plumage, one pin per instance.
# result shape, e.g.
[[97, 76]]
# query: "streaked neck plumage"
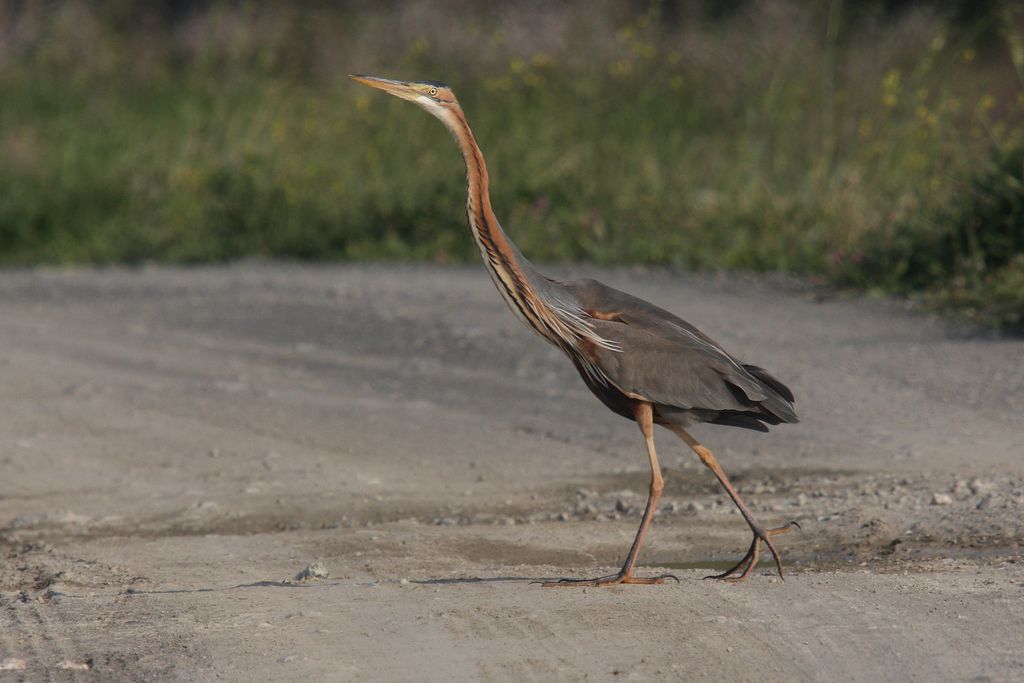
[[540, 303], [512, 274]]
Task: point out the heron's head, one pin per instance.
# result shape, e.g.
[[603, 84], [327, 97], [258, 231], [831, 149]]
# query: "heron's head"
[[437, 98]]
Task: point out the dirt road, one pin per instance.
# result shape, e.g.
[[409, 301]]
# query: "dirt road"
[[175, 445]]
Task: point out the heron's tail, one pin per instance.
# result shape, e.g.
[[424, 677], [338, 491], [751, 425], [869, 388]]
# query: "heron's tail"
[[780, 398]]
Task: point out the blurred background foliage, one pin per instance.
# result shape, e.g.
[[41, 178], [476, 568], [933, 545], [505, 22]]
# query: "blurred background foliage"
[[872, 144]]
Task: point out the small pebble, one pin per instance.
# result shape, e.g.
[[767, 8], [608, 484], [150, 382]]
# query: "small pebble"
[[75, 665], [978, 486], [12, 664], [942, 499], [317, 570]]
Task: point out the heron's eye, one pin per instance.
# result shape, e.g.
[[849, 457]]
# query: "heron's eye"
[[433, 92]]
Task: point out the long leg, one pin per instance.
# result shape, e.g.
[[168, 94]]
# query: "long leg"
[[645, 418], [760, 533]]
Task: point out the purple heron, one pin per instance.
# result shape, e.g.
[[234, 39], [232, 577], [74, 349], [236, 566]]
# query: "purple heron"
[[642, 362]]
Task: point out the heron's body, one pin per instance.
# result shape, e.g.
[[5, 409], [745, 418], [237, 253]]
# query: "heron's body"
[[685, 375], [643, 362]]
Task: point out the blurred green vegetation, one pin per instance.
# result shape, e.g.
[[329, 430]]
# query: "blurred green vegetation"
[[874, 145]]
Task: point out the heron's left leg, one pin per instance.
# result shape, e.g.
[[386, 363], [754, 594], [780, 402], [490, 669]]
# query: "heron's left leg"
[[644, 414], [760, 533]]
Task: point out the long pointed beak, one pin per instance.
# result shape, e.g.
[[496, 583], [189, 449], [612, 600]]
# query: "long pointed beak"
[[398, 88]]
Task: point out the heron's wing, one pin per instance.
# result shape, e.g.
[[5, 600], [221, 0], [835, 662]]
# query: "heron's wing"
[[668, 361], [662, 370]]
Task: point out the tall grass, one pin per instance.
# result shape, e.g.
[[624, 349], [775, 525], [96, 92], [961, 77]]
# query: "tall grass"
[[873, 148]]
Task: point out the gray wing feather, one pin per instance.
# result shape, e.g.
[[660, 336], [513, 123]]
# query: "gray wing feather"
[[660, 371], [668, 361]]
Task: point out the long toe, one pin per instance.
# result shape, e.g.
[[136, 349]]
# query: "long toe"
[[784, 529], [652, 579], [751, 553], [749, 561], [613, 580], [767, 538]]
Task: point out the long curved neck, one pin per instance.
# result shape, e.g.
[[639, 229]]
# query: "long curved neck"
[[513, 275], [542, 304]]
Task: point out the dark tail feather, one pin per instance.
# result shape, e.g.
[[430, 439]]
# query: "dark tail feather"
[[747, 420], [778, 387]]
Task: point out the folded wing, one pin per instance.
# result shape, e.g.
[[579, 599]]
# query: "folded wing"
[[672, 364]]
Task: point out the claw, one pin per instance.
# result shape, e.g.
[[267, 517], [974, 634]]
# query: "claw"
[[749, 561], [612, 580]]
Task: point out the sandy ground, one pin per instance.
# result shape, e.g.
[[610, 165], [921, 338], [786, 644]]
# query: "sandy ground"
[[176, 445]]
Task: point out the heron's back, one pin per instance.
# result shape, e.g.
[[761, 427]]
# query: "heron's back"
[[667, 361]]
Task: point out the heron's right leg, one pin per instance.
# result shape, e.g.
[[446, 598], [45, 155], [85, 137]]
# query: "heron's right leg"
[[761, 534], [645, 420]]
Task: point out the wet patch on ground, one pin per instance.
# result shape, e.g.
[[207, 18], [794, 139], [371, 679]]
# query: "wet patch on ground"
[[847, 519]]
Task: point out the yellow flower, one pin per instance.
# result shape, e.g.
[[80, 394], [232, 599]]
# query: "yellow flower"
[[891, 88], [623, 67], [540, 60], [642, 49], [968, 55], [1016, 50], [500, 83]]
